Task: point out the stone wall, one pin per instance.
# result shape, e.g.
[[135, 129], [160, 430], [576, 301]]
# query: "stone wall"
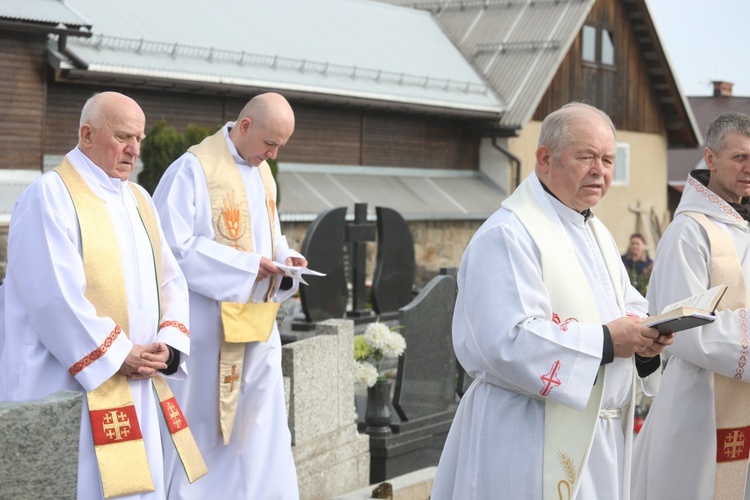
[[330, 455], [39, 447]]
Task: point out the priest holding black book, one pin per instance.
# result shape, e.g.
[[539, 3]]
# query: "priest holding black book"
[[694, 443]]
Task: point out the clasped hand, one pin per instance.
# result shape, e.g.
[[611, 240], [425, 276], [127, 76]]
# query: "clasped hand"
[[144, 361], [630, 337]]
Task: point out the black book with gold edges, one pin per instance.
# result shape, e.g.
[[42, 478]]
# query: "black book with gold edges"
[[694, 311]]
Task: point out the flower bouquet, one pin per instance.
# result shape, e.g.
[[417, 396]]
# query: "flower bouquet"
[[377, 343]]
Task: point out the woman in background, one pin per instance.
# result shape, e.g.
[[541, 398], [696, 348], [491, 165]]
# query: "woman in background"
[[638, 263]]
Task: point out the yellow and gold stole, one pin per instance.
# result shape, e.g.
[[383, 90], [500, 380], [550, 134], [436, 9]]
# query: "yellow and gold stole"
[[568, 433], [230, 216], [731, 395], [118, 443]]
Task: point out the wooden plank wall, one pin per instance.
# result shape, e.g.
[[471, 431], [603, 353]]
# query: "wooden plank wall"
[[22, 71], [330, 135], [624, 92]]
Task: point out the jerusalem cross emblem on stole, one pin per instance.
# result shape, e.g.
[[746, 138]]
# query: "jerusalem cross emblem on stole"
[[115, 425], [731, 444]]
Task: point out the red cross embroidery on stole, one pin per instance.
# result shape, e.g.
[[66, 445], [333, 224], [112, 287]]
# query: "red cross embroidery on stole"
[[231, 379], [562, 324], [550, 380]]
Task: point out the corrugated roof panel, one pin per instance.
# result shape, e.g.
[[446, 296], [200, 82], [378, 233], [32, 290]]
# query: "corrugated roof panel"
[[43, 11], [539, 39], [298, 195], [473, 199], [387, 189], [417, 194], [390, 53], [462, 21], [535, 36]]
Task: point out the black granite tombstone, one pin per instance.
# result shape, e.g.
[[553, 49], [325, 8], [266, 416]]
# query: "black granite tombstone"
[[425, 398], [326, 296], [395, 268], [325, 247], [358, 234]]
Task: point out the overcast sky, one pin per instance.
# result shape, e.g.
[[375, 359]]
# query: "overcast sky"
[[706, 40]]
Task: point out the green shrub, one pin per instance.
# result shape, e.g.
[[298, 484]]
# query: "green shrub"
[[162, 146]]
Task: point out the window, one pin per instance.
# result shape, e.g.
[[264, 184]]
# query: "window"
[[621, 174], [589, 43], [598, 45], [608, 48]]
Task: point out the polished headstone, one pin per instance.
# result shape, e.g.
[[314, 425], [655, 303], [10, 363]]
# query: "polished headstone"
[[358, 234], [323, 247], [395, 268], [426, 382]]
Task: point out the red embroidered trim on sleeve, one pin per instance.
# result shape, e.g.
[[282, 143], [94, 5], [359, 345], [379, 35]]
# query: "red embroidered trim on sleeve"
[[177, 325], [96, 353]]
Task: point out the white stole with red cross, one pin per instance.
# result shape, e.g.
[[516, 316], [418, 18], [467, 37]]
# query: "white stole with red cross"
[[568, 433]]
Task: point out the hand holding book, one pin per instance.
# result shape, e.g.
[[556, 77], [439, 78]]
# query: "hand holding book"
[[689, 313]]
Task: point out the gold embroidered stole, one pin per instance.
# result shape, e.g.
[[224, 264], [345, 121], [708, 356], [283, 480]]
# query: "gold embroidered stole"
[[568, 433], [731, 396], [230, 216], [118, 442]]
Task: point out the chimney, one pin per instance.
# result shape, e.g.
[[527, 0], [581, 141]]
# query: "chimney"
[[722, 89]]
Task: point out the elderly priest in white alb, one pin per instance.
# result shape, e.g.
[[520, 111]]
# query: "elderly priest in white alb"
[[95, 302], [546, 322]]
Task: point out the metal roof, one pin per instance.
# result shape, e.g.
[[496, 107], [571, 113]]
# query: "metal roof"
[[417, 194], [347, 48], [517, 44], [41, 11]]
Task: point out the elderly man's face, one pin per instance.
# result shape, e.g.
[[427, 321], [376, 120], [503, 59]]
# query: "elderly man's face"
[[730, 171], [582, 174], [114, 144]]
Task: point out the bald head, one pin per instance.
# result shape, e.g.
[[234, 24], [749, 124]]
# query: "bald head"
[[111, 130], [265, 109], [264, 125]]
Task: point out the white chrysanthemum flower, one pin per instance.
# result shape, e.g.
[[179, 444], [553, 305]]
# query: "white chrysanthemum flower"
[[394, 346], [365, 374], [377, 335]]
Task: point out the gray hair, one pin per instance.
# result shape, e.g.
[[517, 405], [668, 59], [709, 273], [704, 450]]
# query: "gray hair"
[[732, 122], [556, 131], [91, 112]]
